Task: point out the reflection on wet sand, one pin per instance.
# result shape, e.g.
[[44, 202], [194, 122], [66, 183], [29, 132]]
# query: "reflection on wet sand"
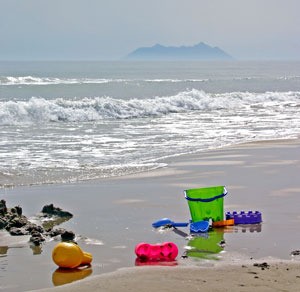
[[3, 250], [65, 276], [208, 245], [36, 249], [244, 228], [141, 262]]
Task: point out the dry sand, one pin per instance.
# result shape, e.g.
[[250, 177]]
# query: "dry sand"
[[273, 168]]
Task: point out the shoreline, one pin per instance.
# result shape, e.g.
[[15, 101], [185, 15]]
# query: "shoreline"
[[260, 175], [168, 161]]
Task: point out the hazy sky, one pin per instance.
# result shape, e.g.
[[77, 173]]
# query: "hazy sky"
[[98, 29]]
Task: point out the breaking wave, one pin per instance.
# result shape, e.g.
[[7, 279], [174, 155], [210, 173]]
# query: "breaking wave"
[[40, 81], [40, 110], [32, 80]]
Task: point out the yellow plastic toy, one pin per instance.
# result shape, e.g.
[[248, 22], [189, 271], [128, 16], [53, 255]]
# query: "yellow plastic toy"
[[69, 255]]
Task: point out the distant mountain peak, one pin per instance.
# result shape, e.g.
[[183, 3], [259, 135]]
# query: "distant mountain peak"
[[200, 51]]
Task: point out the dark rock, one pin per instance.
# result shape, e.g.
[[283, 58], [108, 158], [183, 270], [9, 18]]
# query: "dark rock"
[[18, 231], [67, 236], [36, 238], [3, 223], [18, 210], [3, 208], [56, 232], [31, 228], [55, 211], [295, 252], [18, 222]]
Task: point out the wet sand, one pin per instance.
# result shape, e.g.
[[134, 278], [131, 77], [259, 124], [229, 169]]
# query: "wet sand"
[[115, 214], [278, 276]]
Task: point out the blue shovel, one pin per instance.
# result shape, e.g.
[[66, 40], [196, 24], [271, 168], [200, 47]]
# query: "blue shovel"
[[167, 221]]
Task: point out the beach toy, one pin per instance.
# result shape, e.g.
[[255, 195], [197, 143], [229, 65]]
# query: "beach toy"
[[200, 226], [206, 203], [69, 255], [167, 221], [243, 217], [223, 223], [166, 251]]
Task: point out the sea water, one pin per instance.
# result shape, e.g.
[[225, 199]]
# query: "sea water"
[[73, 121]]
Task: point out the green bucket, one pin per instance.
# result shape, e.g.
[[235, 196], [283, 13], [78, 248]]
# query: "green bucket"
[[206, 203]]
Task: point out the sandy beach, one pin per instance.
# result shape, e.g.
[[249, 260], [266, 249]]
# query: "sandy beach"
[[115, 214], [280, 276]]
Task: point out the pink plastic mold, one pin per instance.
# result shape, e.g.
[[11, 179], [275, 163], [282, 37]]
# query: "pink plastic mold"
[[166, 251]]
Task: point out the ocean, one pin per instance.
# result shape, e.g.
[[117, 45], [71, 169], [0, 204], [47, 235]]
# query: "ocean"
[[75, 121]]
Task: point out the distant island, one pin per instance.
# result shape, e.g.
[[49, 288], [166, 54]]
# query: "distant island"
[[158, 52]]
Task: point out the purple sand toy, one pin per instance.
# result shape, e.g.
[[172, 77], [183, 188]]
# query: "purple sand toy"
[[243, 217]]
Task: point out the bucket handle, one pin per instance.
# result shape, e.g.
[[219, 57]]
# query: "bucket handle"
[[206, 200]]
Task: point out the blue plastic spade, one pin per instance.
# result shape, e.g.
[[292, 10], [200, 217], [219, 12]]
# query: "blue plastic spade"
[[167, 221], [199, 226]]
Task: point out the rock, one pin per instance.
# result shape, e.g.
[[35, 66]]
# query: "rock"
[[16, 210], [55, 211], [3, 208], [18, 222], [55, 232], [2, 223], [18, 231], [52, 216], [31, 227], [67, 236], [36, 238]]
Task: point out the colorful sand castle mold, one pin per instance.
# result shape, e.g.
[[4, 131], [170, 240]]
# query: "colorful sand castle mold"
[[166, 251], [243, 217]]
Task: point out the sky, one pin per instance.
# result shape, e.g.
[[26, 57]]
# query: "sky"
[[111, 29]]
